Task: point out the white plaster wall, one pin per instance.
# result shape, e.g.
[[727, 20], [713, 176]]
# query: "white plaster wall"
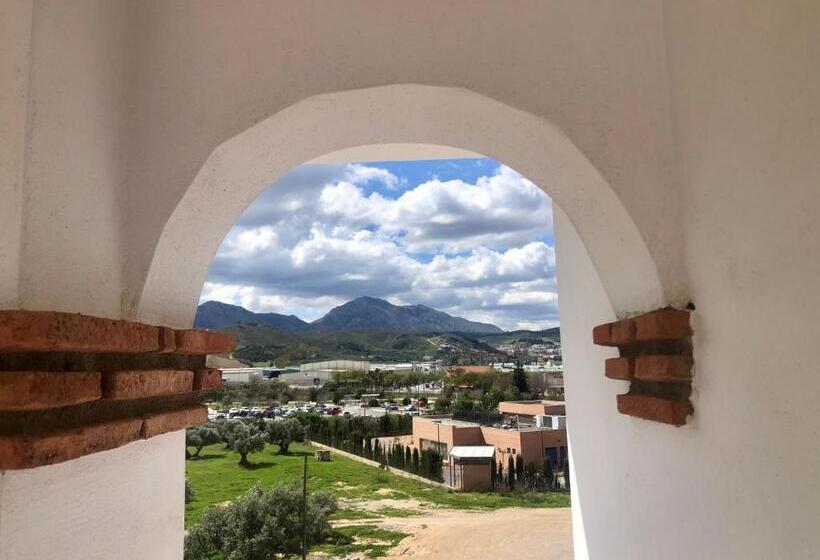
[[72, 215], [702, 116], [15, 45], [741, 480], [127, 503], [205, 71], [241, 168]]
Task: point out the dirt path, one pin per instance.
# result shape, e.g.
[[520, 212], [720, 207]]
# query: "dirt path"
[[525, 534]]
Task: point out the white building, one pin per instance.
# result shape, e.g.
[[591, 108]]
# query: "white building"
[[241, 375]]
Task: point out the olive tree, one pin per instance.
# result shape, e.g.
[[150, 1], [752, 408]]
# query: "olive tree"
[[198, 437], [283, 432], [244, 439], [260, 525]]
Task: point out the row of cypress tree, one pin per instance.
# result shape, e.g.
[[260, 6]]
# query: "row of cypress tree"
[[357, 435], [543, 478]]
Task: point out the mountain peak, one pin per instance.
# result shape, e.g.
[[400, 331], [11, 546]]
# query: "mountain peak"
[[361, 313], [367, 312]]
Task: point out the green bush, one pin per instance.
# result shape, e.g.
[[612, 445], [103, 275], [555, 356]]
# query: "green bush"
[[189, 492], [260, 525]]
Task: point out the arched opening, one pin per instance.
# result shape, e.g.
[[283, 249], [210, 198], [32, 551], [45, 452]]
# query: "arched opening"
[[364, 245], [238, 170], [611, 259]]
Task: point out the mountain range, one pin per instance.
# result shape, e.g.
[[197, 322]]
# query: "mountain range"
[[363, 313]]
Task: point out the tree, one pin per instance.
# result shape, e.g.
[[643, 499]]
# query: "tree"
[[283, 432], [489, 400], [260, 525], [520, 378], [511, 472], [198, 438], [442, 404], [416, 460], [547, 473], [519, 468], [463, 404], [226, 431], [246, 439], [408, 458], [565, 469]]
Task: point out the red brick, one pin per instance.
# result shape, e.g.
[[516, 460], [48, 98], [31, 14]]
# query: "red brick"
[[163, 422], [36, 390], [623, 332], [25, 452], [167, 339], [208, 378], [664, 324], [618, 368], [657, 409], [136, 384], [48, 331], [196, 341], [663, 368], [602, 335]]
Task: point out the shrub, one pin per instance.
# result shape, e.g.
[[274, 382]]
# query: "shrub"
[[284, 432], [260, 525], [189, 492]]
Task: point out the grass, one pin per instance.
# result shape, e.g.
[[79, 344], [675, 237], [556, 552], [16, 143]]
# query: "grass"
[[216, 477], [369, 539]]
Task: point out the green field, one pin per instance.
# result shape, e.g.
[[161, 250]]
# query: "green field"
[[217, 477]]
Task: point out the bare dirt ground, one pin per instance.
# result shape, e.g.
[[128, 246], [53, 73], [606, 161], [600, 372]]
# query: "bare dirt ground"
[[525, 534]]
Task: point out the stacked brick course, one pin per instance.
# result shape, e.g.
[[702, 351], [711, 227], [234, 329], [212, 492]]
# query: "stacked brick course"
[[656, 358], [71, 385]]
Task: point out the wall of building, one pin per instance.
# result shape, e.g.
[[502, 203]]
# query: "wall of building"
[[530, 408], [426, 428], [473, 478], [125, 503], [527, 443], [697, 121]]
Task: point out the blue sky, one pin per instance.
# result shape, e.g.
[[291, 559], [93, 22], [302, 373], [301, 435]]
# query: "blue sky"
[[470, 237]]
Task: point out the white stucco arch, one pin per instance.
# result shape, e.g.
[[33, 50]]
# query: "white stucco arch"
[[238, 170]]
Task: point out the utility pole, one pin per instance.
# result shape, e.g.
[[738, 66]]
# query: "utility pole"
[[304, 512]]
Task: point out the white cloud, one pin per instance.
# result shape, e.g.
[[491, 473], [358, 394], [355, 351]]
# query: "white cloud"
[[361, 174], [320, 236]]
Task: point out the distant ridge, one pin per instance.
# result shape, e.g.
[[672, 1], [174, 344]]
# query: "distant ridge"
[[218, 315], [363, 313]]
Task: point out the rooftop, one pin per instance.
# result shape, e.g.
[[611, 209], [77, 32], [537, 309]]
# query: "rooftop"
[[473, 451]]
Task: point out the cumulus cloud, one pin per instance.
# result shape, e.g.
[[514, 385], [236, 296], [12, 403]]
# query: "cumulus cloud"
[[501, 210], [324, 234]]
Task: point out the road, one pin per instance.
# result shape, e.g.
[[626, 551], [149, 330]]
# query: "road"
[[523, 534]]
